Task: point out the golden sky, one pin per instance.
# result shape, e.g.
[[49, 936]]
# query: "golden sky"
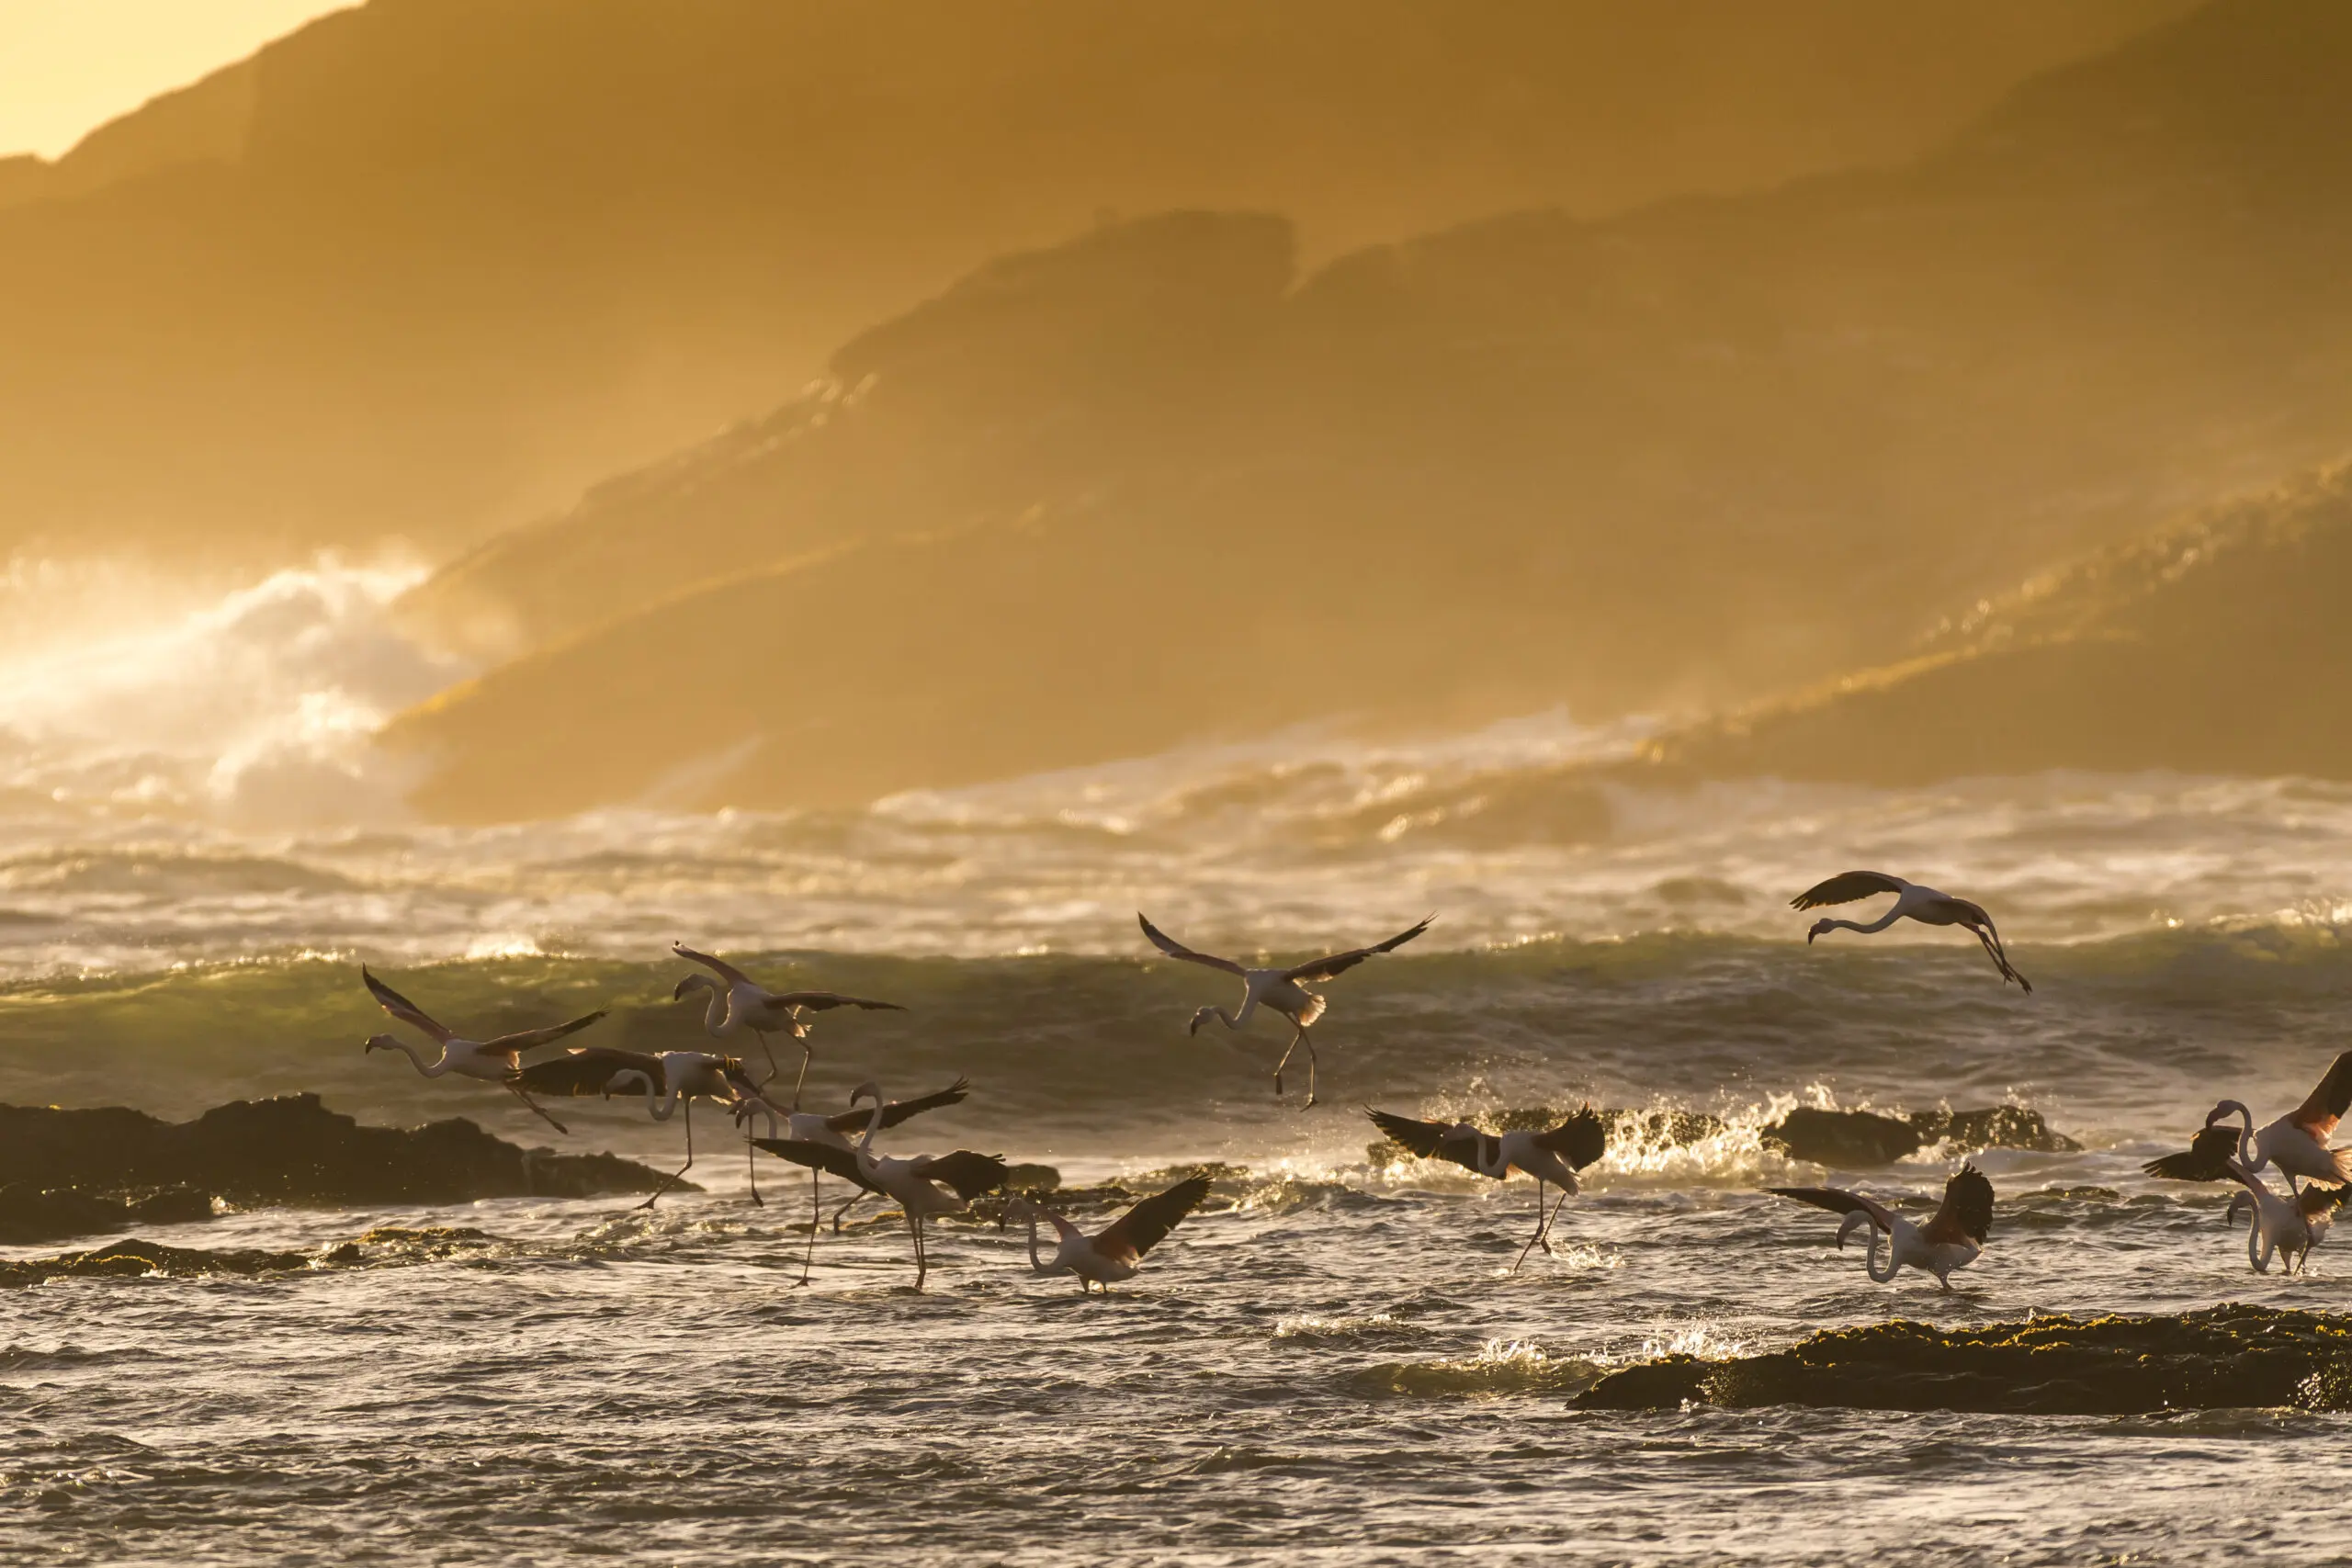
[[68, 66]]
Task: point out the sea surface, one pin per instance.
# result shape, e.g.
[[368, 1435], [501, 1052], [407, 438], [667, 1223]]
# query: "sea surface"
[[1334, 1360]]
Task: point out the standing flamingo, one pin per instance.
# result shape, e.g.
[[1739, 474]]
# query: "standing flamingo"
[[1912, 902], [1279, 990], [925, 1186], [495, 1061], [1951, 1240], [807, 1127], [743, 1003], [672, 1079], [1116, 1254], [1552, 1155]]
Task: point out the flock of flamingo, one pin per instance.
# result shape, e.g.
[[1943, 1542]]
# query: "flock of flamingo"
[[840, 1144]]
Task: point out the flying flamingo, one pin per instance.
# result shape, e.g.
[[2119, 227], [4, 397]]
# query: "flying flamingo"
[[2297, 1142], [1912, 902], [668, 1081], [807, 1127], [492, 1061], [1951, 1240], [1279, 990], [1115, 1255], [925, 1186], [743, 1003], [1553, 1155]]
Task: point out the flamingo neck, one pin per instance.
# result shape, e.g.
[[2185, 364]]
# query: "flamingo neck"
[[440, 1064], [2249, 1155]]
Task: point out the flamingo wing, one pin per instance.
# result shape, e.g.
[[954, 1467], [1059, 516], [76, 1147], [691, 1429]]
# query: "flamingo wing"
[[529, 1039], [1845, 887], [401, 1007], [1174, 949], [1457, 1142], [1580, 1140], [1146, 1224], [590, 1069], [1966, 1212], [1838, 1200], [2207, 1158], [1341, 962], [899, 1111], [718, 966], [817, 1157], [822, 1001], [2319, 1113], [969, 1174]]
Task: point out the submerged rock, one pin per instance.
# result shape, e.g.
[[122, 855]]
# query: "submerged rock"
[[1822, 1137], [67, 1172], [2221, 1358]]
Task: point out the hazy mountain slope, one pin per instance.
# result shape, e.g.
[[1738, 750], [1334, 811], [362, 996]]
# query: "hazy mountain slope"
[[430, 265], [1692, 456]]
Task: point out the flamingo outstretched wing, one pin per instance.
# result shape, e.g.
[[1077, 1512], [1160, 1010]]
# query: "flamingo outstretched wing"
[[590, 1069], [899, 1111], [1580, 1140], [407, 1011], [529, 1039], [2207, 1158], [1174, 949], [969, 1174], [1146, 1224], [1340, 964], [1457, 1142], [1838, 1200], [1845, 887], [2326, 1105], [823, 1001], [817, 1157]]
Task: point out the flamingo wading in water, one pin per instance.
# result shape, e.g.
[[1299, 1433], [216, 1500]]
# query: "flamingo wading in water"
[[672, 1079], [738, 1002], [924, 1186], [1114, 1255], [1951, 1240], [497, 1060], [1912, 902], [1279, 990], [2288, 1227], [807, 1127], [1553, 1155]]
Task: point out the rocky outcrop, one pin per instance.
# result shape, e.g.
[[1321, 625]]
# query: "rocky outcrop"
[[74, 1172]]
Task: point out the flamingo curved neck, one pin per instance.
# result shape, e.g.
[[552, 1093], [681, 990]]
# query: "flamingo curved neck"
[[2249, 1154], [440, 1064], [1878, 925]]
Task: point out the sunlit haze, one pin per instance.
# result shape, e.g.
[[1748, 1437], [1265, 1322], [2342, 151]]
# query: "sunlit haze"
[[68, 66]]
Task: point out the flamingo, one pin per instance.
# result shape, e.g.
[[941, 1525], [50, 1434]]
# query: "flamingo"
[[1554, 1156], [743, 1003], [924, 1186], [1280, 990], [1912, 902], [668, 1081], [2289, 1228], [2297, 1142], [496, 1060], [807, 1127], [1115, 1255], [1953, 1239]]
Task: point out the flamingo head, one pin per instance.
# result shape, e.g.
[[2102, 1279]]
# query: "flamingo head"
[[2223, 1111], [692, 983], [1820, 927], [869, 1089], [380, 1043]]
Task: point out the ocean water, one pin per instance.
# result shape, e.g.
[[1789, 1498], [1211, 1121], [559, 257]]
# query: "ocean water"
[[1333, 1360]]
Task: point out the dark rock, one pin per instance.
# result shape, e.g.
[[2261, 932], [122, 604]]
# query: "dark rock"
[[134, 1258], [2000, 1127], [290, 1150], [2221, 1358], [1842, 1137]]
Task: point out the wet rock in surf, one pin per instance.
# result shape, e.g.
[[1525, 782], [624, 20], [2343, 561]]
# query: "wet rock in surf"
[[2221, 1357], [1864, 1138], [289, 1150], [139, 1258], [30, 1213]]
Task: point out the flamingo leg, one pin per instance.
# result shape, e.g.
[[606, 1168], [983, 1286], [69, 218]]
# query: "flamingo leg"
[[923, 1265], [808, 1052], [674, 1177], [1540, 1222], [854, 1200], [1297, 1040], [809, 1258], [752, 1164], [774, 1071], [537, 1110]]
